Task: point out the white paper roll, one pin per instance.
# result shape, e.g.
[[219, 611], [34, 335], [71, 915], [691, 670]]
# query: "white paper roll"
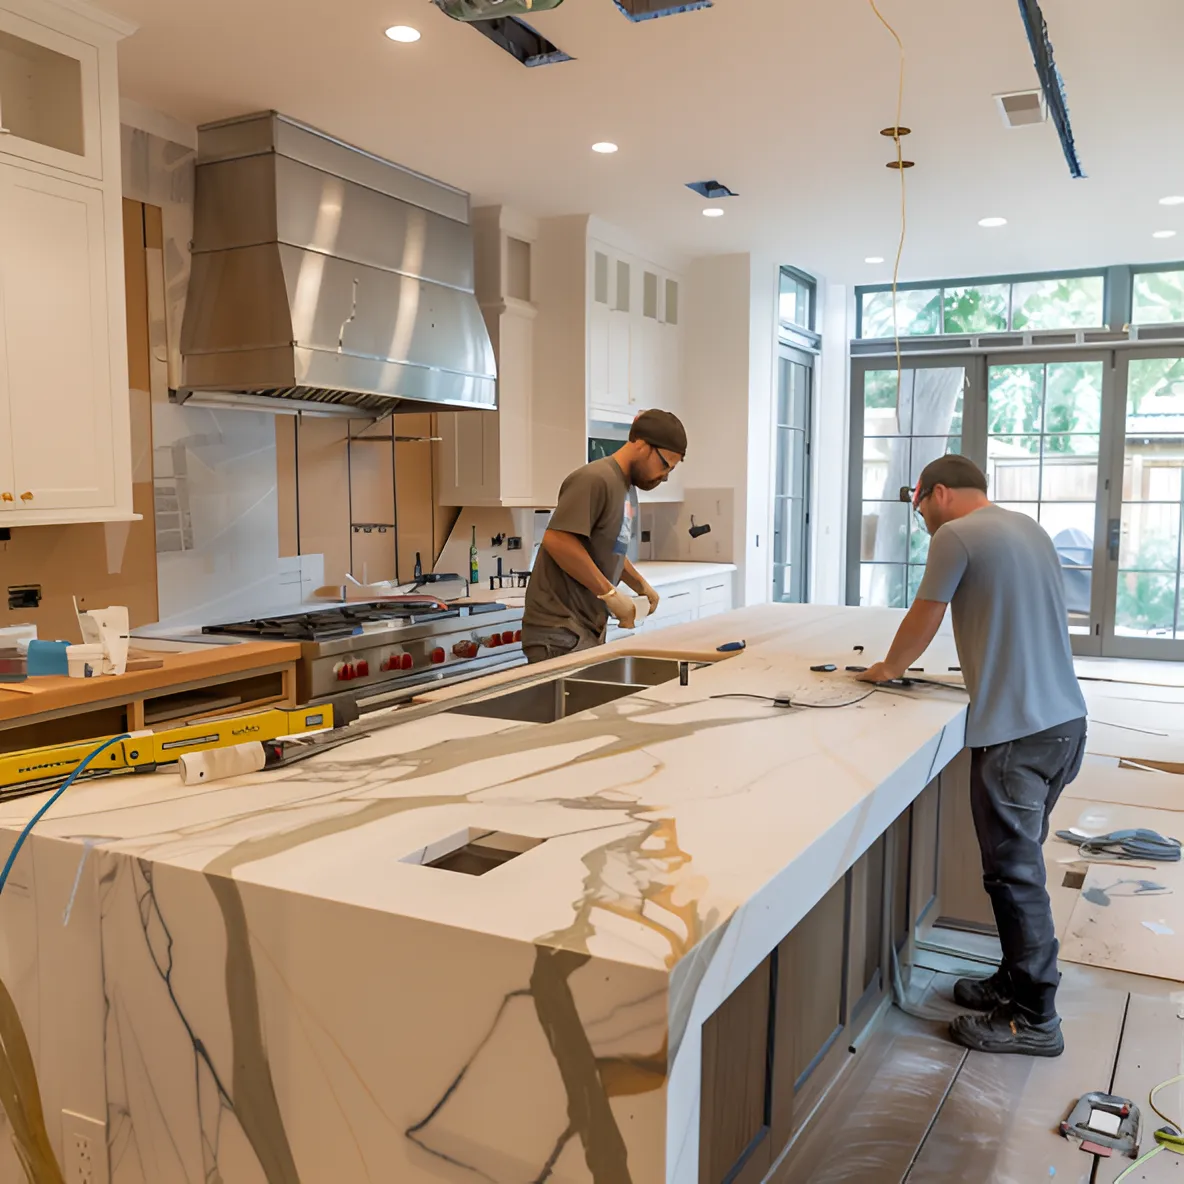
[[217, 764]]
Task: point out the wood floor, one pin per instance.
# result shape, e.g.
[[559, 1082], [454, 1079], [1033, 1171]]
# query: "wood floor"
[[916, 1108]]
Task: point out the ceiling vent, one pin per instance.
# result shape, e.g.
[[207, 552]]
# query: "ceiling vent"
[[710, 189], [1022, 108], [647, 10]]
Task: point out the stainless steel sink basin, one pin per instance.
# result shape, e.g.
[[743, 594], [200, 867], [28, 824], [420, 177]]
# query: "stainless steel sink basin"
[[639, 671], [546, 702]]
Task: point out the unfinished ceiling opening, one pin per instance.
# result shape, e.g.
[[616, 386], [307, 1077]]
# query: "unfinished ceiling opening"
[[1022, 108]]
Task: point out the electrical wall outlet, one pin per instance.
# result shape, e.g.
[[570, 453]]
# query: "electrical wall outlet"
[[84, 1143]]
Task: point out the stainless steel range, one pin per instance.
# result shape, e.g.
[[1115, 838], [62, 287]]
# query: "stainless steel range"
[[368, 649]]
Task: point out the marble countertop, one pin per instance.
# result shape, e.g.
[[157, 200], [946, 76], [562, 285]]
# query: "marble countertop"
[[661, 573], [662, 813]]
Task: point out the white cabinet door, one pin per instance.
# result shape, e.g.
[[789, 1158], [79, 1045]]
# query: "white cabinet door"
[[56, 342], [49, 97], [619, 360]]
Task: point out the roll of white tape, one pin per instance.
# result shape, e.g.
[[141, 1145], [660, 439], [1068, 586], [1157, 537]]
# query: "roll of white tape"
[[216, 764]]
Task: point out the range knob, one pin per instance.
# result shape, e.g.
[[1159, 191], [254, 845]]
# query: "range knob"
[[465, 649], [517, 634], [492, 642], [344, 671], [406, 662], [362, 669], [438, 656], [508, 638]]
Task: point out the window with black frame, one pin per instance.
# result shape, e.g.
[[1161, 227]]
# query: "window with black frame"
[[1083, 431], [791, 409]]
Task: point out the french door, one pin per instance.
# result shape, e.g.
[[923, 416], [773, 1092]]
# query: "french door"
[[1144, 536], [1090, 444]]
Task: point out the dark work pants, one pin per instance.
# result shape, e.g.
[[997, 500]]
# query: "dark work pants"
[[1013, 789]]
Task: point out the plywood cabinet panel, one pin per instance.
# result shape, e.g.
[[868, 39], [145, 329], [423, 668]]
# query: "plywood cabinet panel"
[[736, 1100]]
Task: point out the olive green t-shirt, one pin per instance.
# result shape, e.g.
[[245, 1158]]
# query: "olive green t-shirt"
[[599, 506]]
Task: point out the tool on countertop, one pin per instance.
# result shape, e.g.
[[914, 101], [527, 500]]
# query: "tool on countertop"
[[1103, 1124], [218, 764], [37, 768], [731, 647], [1137, 844]]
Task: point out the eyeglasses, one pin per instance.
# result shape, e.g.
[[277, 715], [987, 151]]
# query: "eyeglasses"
[[666, 465], [914, 498]]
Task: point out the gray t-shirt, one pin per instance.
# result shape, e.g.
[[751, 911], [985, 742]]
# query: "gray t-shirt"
[[1000, 574], [599, 506]]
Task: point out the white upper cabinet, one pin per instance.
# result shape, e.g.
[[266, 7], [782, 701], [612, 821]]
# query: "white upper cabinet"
[[55, 349], [65, 454], [518, 455], [50, 108], [633, 335]]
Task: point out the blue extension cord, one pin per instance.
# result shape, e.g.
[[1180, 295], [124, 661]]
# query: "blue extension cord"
[[61, 789]]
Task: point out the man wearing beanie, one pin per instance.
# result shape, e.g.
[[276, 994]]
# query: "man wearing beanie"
[[1025, 728], [584, 553]]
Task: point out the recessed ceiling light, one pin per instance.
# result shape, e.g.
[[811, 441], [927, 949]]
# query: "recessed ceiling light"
[[605, 147], [1164, 234], [404, 33], [1175, 200], [874, 259], [713, 212], [991, 223]]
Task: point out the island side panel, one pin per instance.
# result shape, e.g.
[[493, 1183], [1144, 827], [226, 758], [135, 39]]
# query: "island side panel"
[[51, 1008], [267, 1035], [826, 967]]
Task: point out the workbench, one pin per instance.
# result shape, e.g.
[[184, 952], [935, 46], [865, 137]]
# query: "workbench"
[[688, 920], [204, 680]]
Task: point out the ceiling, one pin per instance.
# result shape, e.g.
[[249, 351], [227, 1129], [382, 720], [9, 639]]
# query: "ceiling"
[[782, 100]]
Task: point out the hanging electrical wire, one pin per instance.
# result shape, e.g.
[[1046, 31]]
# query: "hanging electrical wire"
[[901, 167]]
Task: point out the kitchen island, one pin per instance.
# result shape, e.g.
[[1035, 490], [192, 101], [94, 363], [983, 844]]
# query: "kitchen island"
[[477, 945]]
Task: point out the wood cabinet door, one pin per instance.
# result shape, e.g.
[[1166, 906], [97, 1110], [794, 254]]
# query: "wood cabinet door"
[[56, 342]]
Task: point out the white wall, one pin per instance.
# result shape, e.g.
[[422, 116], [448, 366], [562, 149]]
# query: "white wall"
[[830, 427], [729, 343]]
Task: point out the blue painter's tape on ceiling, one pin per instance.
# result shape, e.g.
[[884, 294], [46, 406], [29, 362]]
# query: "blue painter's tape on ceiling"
[[1051, 81]]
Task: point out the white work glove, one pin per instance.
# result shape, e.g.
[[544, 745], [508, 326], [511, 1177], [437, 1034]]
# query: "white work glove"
[[621, 607], [650, 595]]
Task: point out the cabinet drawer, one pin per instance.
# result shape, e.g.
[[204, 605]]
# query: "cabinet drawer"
[[677, 598], [716, 592]]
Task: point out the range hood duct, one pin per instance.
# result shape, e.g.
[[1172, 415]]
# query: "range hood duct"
[[326, 279]]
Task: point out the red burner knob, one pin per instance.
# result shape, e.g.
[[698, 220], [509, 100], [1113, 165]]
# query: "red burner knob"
[[406, 662], [438, 656]]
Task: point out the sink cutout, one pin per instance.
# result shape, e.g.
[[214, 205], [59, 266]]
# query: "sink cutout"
[[474, 851]]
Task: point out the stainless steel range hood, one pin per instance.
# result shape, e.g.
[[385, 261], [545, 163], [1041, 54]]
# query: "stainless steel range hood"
[[327, 279]]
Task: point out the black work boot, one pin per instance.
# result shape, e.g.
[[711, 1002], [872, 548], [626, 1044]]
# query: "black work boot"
[[983, 994], [1007, 1029]]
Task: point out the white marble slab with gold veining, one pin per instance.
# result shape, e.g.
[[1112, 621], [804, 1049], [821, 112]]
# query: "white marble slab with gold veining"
[[258, 980]]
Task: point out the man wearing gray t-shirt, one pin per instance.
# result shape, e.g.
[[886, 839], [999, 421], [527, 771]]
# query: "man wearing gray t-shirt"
[[1025, 727]]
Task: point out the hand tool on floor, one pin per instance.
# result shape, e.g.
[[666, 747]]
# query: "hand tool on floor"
[[143, 751], [1106, 1125]]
